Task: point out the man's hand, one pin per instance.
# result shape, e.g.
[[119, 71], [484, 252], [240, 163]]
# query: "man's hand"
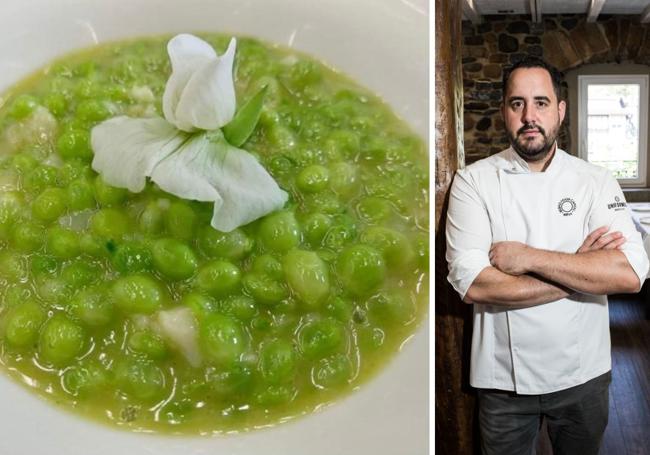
[[597, 240], [510, 257]]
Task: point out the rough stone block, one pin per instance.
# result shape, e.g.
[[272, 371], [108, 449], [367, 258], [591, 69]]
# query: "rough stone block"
[[508, 43], [492, 71], [473, 40], [518, 27], [484, 124], [498, 58], [532, 40]]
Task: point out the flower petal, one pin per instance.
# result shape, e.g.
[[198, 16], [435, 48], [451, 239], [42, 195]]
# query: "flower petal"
[[127, 149], [207, 168], [208, 100], [187, 53]]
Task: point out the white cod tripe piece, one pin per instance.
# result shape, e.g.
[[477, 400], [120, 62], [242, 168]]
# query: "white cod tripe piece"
[[179, 328]]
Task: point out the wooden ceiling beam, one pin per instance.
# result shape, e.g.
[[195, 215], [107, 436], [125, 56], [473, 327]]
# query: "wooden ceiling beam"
[[595, 6], [536, 10], [645, 15], [471, 13]]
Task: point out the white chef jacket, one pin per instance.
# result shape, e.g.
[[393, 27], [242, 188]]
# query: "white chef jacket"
[[560, 344]]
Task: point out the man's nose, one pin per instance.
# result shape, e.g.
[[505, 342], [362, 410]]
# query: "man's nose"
[[529, 114]]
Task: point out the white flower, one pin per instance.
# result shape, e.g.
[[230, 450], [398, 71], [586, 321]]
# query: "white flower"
[[199, 98]]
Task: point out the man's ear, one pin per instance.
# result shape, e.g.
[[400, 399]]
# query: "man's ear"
[[561, 107]]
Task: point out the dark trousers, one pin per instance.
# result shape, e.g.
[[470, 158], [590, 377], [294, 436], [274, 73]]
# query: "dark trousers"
[[576, 419]]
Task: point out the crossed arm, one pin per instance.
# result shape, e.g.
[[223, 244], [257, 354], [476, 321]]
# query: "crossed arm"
[[523, 276]]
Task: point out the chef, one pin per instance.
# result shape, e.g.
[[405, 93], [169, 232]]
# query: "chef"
[[536, 239]]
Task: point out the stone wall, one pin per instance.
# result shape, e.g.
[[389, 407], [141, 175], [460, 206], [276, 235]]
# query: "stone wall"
[[565, 41]]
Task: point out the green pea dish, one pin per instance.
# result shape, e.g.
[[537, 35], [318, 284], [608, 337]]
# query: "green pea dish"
[[132, 310]]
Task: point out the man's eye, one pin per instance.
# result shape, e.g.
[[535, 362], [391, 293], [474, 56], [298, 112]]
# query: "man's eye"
[[542, 104], [516, 104]]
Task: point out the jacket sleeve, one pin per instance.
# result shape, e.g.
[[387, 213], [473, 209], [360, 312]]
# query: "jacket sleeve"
[[610, 209], [468, 233]]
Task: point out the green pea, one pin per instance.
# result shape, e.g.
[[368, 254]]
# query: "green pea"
[[281, 138], [49, 205], [11, 204], [394, 246], [332, 371], [340, 309], [132, 257], [233, 245], [23, 162], [313, 179], [61, 341], [92, 110], [180, 221], [342, 232], [140, 379], [264, 289], [307, 276], [23, 106], [238, 306], [40, 177], [321, 338], [344, 180], [85, 379], [56, 103], [200, 304], [315, 226], [13, 266], [221, 339], [324, 201], [280, 232], [361, 269], [109, 223], [218, 278], [267, 264], [151, 219], [92, 306], [230, 380], [374, 209], [277, 361], [22, 322], [80, 195], [62, 243], [92, 245], [80, 273], [138, 294], [106, 194], [74, 143], [343, 143], [174, 259], [52, 290], [394, 305], [42, 264], [148, 343], [16, 294]]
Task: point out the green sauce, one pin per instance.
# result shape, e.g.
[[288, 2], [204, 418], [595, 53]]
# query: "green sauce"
[[130, 309]]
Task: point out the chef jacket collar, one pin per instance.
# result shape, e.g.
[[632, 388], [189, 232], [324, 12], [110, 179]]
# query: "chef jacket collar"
[[517, 165]]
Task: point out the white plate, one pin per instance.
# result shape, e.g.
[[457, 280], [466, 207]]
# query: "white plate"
[[381, 43]]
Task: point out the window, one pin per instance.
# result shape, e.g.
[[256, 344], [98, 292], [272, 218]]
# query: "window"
[[613, 123]]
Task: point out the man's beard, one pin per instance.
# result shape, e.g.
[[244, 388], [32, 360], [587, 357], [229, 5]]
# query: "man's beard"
[[528, 149]]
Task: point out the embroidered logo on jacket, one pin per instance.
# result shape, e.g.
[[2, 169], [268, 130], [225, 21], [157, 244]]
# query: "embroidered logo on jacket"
[[617, 204], [566, 206]]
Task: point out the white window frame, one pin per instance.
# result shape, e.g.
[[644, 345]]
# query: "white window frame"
[[640, 79]]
